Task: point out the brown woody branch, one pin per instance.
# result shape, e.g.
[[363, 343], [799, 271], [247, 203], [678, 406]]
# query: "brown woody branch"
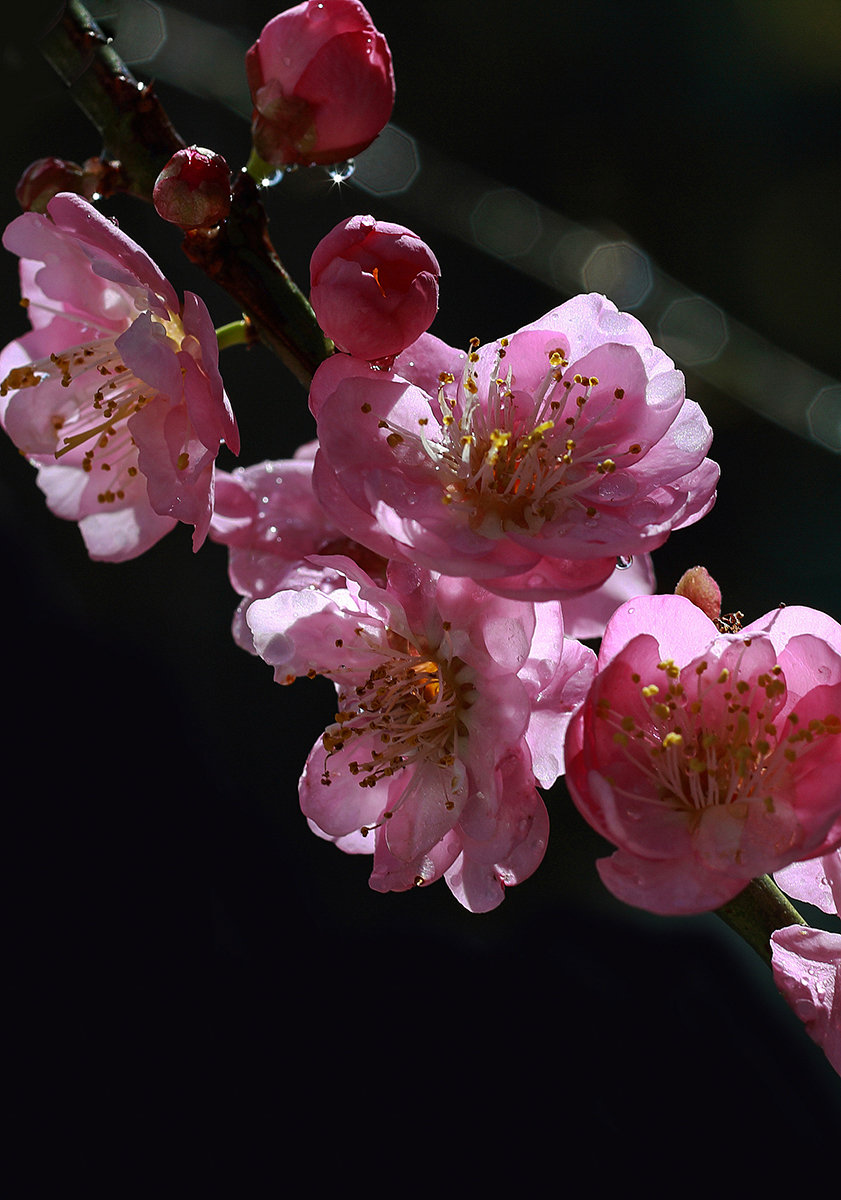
[[139, 138]]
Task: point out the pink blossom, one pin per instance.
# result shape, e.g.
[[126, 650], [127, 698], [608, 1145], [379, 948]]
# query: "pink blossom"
[[321, 82], [374, 287], [451, 707], [276, 532], [817, 881], [530, 464], [807, 962], [115, 394], [708, 759]]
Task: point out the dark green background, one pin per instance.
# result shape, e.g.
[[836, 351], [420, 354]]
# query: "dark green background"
[[182, 948]]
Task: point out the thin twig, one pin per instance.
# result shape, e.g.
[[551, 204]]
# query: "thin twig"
[[138, 136]]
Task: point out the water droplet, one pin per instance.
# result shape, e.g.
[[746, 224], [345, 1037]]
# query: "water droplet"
[[272, 180], [624, 561], [341, 172]]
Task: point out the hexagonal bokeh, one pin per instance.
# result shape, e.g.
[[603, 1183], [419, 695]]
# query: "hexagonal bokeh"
[[390, 164], [506, 223], [619, 271], [824, 417], [138, 27], [693, 330]]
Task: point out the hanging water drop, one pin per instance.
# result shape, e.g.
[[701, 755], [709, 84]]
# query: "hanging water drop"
[[274, 177], [341, 172], [624, 561]]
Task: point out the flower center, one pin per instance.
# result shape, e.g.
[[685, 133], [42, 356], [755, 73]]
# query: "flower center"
[[710, 738], [407, 711], [515, 460], [105, 393]]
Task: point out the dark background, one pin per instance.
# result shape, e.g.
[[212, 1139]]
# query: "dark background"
[[191, 968]]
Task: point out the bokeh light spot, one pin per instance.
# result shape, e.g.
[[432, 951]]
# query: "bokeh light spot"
[[824, 417], [138, 27], [693, 330], [619, 271], [390, 165], [506, 223]]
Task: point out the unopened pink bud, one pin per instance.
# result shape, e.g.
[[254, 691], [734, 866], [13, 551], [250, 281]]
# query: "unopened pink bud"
[[322, 84], [698, 585], [374, 287], [46, 177], [193, 190]]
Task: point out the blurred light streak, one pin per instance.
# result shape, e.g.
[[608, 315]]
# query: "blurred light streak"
[[435, 192], [137, 27]]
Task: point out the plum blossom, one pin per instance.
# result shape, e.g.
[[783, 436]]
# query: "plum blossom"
[[529, 464], [373, 287], [451, 707], [807, 962], [322, 84], [115, 394], [707, 758], [276, 530]]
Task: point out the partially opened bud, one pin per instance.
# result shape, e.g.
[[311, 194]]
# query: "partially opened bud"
[[322, 84], [374, 287], [193, 190], [698, 585]]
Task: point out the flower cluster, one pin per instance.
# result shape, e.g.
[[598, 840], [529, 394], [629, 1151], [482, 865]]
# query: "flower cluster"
[[462, 522], [441, 548]]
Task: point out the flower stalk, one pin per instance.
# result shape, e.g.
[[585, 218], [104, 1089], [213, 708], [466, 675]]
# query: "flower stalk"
[[757, 911], [236, 333]]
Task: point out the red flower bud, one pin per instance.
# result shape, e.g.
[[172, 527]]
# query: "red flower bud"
[[374, 287], [46, 177], [322, 84], [193, 190]]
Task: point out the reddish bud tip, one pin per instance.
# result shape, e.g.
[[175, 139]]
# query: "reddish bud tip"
[[698, 585], [46, 177], [193, 190]]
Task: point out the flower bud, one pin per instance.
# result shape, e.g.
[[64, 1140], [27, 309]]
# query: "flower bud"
[[321, 82], [698, 585], [46, 177], [193, 190], [374, 287]]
